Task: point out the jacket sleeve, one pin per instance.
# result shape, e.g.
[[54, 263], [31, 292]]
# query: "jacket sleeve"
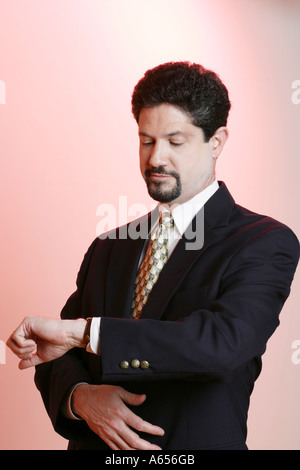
[[216, 341]]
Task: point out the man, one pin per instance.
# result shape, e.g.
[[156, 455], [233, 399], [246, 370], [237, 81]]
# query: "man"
[[172, 368]]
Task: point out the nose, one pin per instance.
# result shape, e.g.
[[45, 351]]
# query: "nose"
[[158, 156]]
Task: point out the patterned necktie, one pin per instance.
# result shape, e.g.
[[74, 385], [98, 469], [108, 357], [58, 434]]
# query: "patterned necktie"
[[155, 258]]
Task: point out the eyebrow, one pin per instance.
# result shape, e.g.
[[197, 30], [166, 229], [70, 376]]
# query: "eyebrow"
[[170, 134]]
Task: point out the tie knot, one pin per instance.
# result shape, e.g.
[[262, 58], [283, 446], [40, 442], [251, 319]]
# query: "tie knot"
[[167, 219]]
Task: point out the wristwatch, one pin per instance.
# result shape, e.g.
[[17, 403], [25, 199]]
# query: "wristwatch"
[[87, 332]]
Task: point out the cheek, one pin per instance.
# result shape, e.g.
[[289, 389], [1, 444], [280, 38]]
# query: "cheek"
[[143, 164], [204, 162], [196, 169]]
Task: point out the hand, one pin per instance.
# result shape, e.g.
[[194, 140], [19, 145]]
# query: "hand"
[[38, 340], [103, 408]]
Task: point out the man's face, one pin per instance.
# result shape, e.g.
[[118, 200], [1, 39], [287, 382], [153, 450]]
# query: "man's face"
[[175, 161]]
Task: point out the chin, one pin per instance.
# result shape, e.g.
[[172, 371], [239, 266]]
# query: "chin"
[[164, 195]]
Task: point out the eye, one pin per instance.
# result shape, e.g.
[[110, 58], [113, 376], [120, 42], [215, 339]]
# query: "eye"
[[176, 144], [147, 143]]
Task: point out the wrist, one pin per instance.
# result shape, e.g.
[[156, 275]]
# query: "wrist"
[[78, 399], [79, 332]]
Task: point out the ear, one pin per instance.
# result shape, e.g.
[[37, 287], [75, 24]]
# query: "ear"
[[218, 140]]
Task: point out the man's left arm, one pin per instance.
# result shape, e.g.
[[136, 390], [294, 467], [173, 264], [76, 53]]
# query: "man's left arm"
[[214, 341]]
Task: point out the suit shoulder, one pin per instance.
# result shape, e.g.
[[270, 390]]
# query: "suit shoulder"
[[255, 217], [266, 225]]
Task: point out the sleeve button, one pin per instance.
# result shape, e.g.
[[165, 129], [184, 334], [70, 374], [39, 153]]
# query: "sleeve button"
[[135, 363], [145, 365], [124, 365]]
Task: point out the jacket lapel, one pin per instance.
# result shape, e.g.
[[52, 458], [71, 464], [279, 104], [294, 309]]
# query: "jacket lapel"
[[123, 265], [216, 215]]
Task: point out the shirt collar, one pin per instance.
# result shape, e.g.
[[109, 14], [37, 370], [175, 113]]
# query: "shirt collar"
[[184, 213]]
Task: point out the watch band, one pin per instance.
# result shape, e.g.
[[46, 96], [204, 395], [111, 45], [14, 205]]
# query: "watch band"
[[87, 331]]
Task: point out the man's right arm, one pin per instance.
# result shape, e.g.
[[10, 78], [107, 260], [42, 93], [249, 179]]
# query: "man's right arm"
[[55, 380]]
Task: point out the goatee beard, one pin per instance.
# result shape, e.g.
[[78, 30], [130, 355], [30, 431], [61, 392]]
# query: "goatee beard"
[[156, 189]]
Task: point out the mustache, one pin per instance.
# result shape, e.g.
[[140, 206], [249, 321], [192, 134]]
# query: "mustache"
[[160, 170]]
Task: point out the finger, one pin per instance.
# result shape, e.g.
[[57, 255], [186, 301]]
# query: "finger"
[[132, 441], [20, 341], [135, 421], [132, 399], [20, 351], [113, 436], [19, 332], [124, 438], [11, 344], [141, 425], [117, 443], [121, 445], [20, 345]]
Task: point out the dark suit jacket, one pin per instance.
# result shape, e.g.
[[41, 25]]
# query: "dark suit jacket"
[[203, 330]]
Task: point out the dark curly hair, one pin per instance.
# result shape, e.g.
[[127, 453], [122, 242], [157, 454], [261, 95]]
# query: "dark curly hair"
[[195, 90]]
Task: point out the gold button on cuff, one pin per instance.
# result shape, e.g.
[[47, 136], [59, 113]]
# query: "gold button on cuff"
[[144, 365], [124, 365], [135, 363]]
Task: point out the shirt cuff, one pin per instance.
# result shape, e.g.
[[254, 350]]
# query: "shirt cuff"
[[94, 344], [67, 405]]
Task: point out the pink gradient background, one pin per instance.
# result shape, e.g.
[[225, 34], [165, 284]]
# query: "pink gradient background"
[[68, 143]]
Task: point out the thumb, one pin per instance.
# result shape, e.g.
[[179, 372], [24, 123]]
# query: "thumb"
[[132, 398], [32, 361]]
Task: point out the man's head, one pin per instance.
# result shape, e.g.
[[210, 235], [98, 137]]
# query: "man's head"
[[190, 103], [190, 87]]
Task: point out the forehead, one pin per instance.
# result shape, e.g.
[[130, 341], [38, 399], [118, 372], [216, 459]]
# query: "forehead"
[[164, 119]]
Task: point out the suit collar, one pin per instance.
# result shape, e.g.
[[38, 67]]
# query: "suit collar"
[[219, 207]]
